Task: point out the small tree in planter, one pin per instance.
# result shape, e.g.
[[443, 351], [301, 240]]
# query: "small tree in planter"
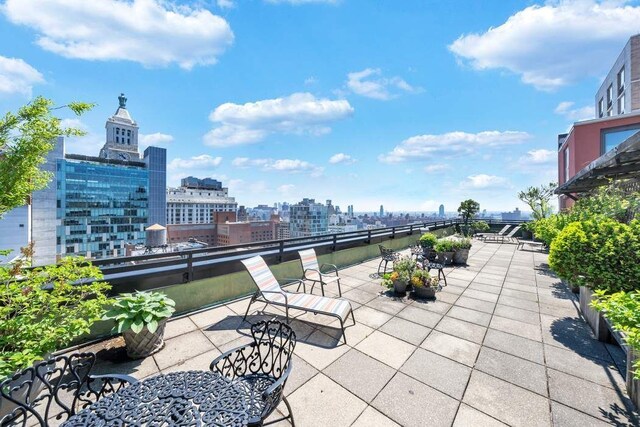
[[424, 285], [468, 210], [141, 318]]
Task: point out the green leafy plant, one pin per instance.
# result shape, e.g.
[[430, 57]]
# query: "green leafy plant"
[[428, 240], [600, 252], [404, 268], [136, 310], [461, 244], [480, 226], [25, 139], [538, 198], [623, 311], [422, 277], [387, 280], [43, 310], [444, 245], [468, 209]]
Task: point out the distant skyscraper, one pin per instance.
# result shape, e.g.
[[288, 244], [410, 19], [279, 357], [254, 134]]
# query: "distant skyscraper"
[[381, 210], [308, 218], [441, 211]]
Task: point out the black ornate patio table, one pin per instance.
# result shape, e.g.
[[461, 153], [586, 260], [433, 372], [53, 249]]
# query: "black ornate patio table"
[[191, 398]]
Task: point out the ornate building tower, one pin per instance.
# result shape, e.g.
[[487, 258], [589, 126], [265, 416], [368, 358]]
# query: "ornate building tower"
[[122, 135]]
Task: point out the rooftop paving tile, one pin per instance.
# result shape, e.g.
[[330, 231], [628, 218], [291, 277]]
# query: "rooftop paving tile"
[[396, 370]]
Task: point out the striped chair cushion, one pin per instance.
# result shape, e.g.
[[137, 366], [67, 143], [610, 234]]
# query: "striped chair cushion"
[[336, 306], [309, 260], [263, 278]]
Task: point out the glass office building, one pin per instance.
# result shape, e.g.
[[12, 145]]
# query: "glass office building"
[[101, 206]]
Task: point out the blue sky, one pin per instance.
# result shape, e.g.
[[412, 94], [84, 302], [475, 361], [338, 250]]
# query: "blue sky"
[[408, 104]]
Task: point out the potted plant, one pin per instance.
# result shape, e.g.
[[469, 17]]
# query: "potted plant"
[[424, 285], [141, 318], [444, 251], [428, 241], [42, 310], [387, 281], [461, 251], [402, 270]]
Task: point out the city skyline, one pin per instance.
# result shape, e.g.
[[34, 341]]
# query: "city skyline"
[[437, 108]]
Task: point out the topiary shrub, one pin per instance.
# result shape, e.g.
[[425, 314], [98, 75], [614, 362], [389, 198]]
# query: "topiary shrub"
[[428, 240], [600, 253]]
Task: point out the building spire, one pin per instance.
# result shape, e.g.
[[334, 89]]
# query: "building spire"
[[123, 101]]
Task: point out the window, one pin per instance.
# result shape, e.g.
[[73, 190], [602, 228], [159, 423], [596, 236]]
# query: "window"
[[609, 96], [611, 138], [128, 132], [117, 139], [566, 164], [601, 107], [621, 104], [621, 81], [117, 131]]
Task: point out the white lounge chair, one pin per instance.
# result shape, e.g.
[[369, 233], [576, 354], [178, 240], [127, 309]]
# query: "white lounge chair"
[[312, 272], [270, 292], [512, 233], [494, 236]]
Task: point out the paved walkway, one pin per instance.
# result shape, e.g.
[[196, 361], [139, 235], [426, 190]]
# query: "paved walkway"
[[503, 344]]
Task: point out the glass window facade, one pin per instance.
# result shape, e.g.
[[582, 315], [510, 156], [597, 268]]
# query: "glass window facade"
[[101, 207], [611, 138]]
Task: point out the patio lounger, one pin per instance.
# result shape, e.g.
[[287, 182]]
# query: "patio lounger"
[[313, 272], [270, 292], [500, 233], [509, 236]]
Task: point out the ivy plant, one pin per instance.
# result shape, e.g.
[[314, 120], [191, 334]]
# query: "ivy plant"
[[43, 310], [136, 310]]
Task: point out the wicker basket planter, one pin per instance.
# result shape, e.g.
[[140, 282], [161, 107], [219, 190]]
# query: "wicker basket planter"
[[144, 343]]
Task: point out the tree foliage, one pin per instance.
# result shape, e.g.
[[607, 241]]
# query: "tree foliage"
[[42, 310], [25, 139], [538, 198]]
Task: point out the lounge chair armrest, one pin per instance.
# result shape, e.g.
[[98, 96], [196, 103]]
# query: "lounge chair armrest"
[[332, 268], [311, 270]]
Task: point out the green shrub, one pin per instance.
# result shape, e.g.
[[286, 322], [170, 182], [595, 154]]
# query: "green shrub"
[[546, 229], [623, 311], [43, 310], [601, 253], [428, 240], [461, 244], [444, 245], [135, 311], [480, 226]]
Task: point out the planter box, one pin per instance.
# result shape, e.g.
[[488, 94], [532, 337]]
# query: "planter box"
[[633, 385], [594, 318], [424, 292], [461, 256]]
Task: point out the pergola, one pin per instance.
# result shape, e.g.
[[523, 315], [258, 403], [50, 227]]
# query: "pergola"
[[622, 162]]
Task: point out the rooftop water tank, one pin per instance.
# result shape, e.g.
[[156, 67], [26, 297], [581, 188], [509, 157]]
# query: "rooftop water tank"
[[156, 235]]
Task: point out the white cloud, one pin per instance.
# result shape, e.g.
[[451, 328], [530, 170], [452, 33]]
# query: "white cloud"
[[310, 81], [151, 32], [437, 167], [421, 147], [539, 156], [225, 4], [296, 2], [341, 158], [16, 76], [286, 189], [371, 84], [154, 139], [574, 114], [554, 44], [282, 165], [484, 181], [203, 161], [299, 113]]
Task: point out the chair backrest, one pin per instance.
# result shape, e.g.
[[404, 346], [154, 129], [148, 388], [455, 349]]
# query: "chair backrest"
[[309, 260], [504, 229], [387, 254], [36, 394], [514, 231], [262, 277], [276, 341]]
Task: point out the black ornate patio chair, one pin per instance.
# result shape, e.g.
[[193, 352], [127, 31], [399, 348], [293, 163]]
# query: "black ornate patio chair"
[[437, 264], [388, 256], [262, 367], [55, 389]]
